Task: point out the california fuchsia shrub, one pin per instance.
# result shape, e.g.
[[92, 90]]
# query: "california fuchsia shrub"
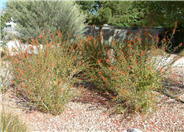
[[45, 78], [127, 74]]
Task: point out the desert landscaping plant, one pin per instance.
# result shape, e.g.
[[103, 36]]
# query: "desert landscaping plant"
[[34, 16], [46, 78], [128, 75], [123, 70]]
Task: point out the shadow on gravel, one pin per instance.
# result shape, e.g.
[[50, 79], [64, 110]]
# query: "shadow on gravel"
[[20, 100], [89, 95], [173, 89]]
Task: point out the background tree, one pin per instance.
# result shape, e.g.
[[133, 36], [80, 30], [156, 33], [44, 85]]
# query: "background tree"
[[107, 12], [5, 17], [161, 13], [34, 16], [168, 15]]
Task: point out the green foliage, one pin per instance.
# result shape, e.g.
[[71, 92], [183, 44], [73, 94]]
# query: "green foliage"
[[161, 13], [123, 14], [33, 16], [46, 78], [5, 17], [118, 13], [107, 12], [136, 13], [11, 123], [104, 16]]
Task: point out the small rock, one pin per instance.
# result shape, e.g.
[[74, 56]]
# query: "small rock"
[[134, 130], [181, 97]]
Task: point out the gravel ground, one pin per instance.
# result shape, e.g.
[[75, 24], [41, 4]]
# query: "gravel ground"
[[89, 113]]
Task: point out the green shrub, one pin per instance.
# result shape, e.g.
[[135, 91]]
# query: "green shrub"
[[46, 78], [33, 16]]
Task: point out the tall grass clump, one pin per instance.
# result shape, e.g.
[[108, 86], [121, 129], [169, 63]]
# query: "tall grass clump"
[[11, 123], [46, 78], [127, 74]]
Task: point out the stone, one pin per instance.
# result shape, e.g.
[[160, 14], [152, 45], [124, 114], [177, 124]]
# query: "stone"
[[134, 130]]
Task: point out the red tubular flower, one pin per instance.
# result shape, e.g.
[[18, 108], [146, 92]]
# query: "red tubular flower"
[[21, 73], [98, 62], [161, 70], [175, 23], [142, 52], [129, 45], [52, 64], [180, 44], [40, 36], [49, 45], [123, 73], [107, 61], [26, 54], [99, 72], [104, 79], [12, 82], [111, 68], [31, 47], [46, 53]]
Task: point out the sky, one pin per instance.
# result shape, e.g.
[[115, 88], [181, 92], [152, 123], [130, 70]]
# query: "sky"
[[2, 4]]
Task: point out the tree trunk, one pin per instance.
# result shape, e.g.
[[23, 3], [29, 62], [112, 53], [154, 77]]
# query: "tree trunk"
[[101, 35]]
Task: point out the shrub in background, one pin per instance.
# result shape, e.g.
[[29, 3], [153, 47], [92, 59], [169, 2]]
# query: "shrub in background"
[[4, 17], [46, 78], [34, 16]]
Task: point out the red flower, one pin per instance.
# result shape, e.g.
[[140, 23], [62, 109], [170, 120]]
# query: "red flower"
[[129, 45], [21, 73], [98, 62], [49, 45], [31, 48], [52, 64], [40, 36], [99, 72], [161, 70], [46, 53], [123, 73], [142, 52], [26, 54], [175, 23], [12, 82], [180, 44]]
